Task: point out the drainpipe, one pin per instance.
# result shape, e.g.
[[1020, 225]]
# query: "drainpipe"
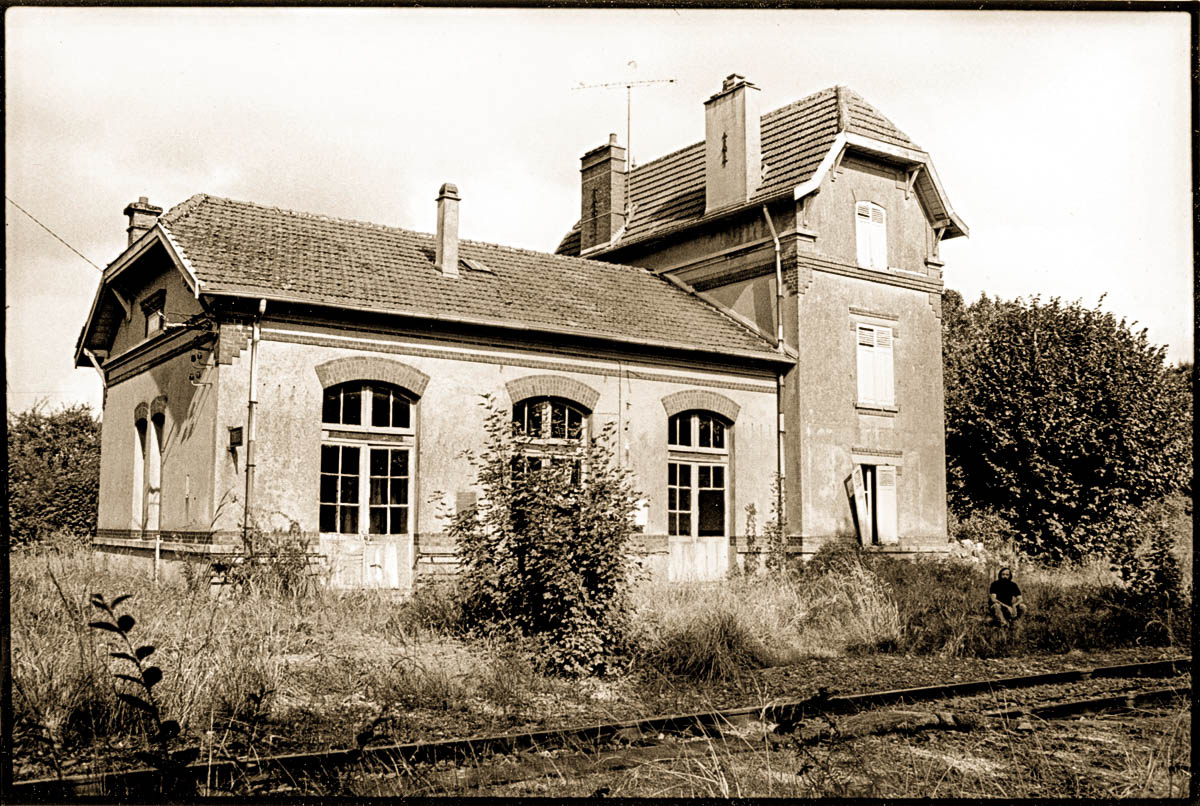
[[779, 411], [256, 333]]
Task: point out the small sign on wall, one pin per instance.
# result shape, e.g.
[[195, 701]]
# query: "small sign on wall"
[[235, 437]]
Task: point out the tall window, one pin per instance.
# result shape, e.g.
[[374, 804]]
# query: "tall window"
[[154, 473], [876, 376], [697, 474], [549, 430], [140, 450], [870, 227], [366, 459], [875, 512]]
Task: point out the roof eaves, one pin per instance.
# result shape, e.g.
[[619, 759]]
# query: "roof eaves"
[[766, 355]]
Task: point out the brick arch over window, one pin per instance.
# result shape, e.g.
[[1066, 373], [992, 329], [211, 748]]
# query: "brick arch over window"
[[141, 412], [690, 399], [158, 406], [363, 368], [552, 386]]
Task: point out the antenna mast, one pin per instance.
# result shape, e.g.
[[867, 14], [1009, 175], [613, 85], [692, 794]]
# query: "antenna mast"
[[628, 85]]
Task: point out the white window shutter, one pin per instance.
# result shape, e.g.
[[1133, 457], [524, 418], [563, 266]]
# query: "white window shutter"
[[862, 231], [878, 238], [885, 391], [885, 503], [866, 364], [858, 497]]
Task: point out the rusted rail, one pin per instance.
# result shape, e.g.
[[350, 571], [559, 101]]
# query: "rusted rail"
[[223, 774]]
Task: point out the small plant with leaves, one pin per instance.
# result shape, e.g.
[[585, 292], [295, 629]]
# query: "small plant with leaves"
[[145, 677]]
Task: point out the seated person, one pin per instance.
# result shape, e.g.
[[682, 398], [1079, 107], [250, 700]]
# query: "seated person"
[[1004, 599]]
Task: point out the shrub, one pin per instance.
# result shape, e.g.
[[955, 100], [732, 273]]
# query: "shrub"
[[714, 645], [544, 552], [1060, 419], [53, 473]]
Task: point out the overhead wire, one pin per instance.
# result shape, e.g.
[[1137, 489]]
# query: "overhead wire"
[[52, 232]]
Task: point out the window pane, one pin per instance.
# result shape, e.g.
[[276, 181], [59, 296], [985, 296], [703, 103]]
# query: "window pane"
[[685, 524], [329, 458], [712, 513], [349, 490], [685, 475], [379, 461], [705, 431], [718, 434], [680, 431], [328, 489], [378, 525], [672, 472], [718, 477], [399, 463], [349, 460], [381, 407], [685, 500], [328, 518], [399, 412], [399, 525], [671, 498], [534, 422], [348, 520], [574, 424], [705, 476], [673, 524], [352, 406], [331, 408], [378, 491], [558, 421], [399, 491]]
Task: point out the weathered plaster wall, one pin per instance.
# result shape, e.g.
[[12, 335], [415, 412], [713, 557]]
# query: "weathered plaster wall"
[[832, 425], [831, 214], [189, 419], [450, 419]]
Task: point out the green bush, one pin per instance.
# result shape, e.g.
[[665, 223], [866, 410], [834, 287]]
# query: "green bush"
[[544, 552], [53, 473]]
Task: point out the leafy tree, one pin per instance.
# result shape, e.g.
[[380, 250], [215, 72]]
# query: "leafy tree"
[[1060, 419], [544, 552], [53, 473]]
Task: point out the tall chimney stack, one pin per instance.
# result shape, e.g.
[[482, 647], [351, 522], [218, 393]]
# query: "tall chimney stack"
[[142, 215], [446, 259], [602, 209], [732, 144]]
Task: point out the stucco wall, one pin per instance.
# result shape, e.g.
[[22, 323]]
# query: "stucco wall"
[[450, 419], [157, 273], [832, 424], [189, 419]]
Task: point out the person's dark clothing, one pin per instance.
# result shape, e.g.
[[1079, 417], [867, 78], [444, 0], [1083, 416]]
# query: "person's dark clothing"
[[1005, 590]]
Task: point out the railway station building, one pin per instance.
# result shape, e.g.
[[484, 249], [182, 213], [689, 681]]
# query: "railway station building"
[[763, 303]]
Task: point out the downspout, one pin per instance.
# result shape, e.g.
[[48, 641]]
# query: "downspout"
[[779, 411], [252, 405]]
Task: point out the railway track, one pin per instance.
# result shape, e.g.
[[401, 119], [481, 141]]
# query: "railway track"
[[467, 762]]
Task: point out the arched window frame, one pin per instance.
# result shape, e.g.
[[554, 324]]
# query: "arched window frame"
[[870, 232], [699, 480], [560, 446], [368, 468]]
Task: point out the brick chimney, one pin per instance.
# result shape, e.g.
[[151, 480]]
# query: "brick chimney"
[[142, 215], [732, 144], [446, 259], [602, 211]]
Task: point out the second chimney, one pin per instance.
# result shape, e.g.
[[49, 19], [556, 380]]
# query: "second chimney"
[[142, 215], [732, 144], [446, 258], [602, 211]]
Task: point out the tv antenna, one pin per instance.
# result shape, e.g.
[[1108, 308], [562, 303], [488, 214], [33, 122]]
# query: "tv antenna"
[[628, 85]]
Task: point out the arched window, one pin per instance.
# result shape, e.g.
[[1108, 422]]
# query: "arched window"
[[697, 474], [870, 228], [367, 448], [549, 430]]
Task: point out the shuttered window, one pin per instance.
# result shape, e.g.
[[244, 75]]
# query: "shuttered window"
[[870, 229], [872, 491], [876, 376]]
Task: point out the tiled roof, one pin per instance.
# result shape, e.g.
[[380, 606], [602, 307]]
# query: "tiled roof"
[[247, 249], [669, 191]]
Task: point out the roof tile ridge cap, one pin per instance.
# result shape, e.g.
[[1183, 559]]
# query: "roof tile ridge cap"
[[805, 100], [184, 208], [714, 305], [321, 217]]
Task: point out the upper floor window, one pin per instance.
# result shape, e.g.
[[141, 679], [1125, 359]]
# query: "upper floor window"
[[696, 429], [154, 307], [367, 405], [876, 377], [870, 228], [548, 418]]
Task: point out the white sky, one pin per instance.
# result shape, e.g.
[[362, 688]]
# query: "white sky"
[[1061, 138]]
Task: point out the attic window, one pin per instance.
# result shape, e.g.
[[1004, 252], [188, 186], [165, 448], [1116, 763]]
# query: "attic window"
[[475, 265], [870, 227], [154, 309]]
